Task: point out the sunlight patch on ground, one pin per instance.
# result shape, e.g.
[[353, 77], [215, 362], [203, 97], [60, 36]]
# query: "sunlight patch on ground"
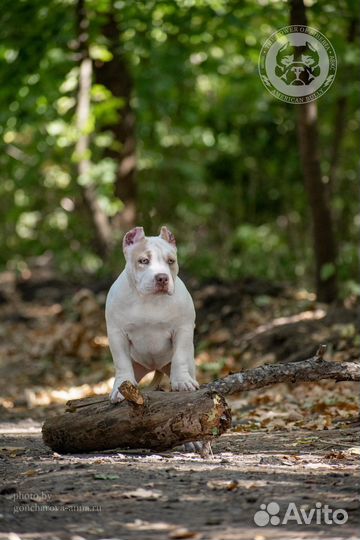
[[312, 315], [38, 397], [45, 397]]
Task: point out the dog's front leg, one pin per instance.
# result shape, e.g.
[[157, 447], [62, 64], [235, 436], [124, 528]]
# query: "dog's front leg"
[[182, 373], [124, 370]]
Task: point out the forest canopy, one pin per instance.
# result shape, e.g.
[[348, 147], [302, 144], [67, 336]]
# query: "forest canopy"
[[115, 113]]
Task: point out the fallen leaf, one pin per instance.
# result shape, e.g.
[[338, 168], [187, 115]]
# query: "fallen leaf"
[[228, 485], [31, 472], [183, 533], [335, 455], [144, 494], [354, 451], [306, 441]]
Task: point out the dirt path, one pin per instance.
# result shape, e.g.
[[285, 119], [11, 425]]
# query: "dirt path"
[[175, 495], [288, 444]]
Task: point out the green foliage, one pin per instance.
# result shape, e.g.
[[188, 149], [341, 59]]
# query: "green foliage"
[[218, 158]]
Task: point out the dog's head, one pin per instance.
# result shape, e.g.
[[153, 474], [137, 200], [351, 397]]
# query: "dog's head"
[[151, 261], [297, 65]]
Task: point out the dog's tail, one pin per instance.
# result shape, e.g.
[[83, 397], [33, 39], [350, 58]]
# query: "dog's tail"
[[156, 380]]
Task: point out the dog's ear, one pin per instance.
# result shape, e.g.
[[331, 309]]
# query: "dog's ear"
[[167, 235], [310, 47], [132, 237]]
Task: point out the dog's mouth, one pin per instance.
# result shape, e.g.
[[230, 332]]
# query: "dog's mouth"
[[162, 290]]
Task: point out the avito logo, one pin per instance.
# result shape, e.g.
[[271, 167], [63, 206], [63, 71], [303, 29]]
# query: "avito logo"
[[320, 514]]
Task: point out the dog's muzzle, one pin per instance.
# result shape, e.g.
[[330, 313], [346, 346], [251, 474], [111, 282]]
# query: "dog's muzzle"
[[161, 282]]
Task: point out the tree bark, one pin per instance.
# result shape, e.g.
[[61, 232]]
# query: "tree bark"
[[162, 420], [115, 76], [340, 119], [100, 219], [323, 230], [313, 369]]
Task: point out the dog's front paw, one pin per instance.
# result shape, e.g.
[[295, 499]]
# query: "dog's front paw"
[[116, 396], [184, 384]]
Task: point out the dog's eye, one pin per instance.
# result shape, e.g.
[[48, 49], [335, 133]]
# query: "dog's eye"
[[171, 261], [144, 260]]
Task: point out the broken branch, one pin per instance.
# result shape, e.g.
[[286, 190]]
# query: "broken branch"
[[310, 370]]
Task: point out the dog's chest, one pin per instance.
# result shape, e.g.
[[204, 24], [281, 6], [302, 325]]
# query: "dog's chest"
[[150, 343]]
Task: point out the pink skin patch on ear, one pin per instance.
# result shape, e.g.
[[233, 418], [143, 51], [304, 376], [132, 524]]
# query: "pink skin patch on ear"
[[167, 235], [133, 236], [171, 238]]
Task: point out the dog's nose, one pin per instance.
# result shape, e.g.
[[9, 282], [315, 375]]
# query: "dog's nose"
[[161, 279]]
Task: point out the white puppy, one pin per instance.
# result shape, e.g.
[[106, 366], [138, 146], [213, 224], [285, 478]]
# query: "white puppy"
[[150, 315]]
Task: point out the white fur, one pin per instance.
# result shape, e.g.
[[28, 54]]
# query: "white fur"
[[149, 329]]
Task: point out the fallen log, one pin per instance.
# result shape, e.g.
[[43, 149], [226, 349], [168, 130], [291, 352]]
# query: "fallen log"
[[161, 420], [153, 420]]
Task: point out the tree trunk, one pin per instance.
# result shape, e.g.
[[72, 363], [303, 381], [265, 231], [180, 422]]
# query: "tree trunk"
[[162, 420], [100, 219], [340, 119], [322, 222], [116, 77]]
